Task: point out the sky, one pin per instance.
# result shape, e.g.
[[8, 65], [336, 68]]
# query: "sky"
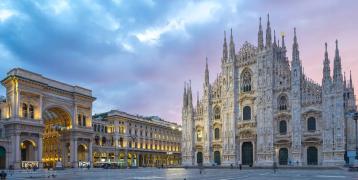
[[136, 55]]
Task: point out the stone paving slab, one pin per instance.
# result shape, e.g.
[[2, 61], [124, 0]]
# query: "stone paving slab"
[[188, 174]]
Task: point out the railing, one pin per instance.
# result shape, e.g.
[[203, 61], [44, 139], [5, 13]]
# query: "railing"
[[29, 164]]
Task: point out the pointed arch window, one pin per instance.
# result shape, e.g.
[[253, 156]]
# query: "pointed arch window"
[[217, 113], [246, 113], [282, 103], [311, 124], [246, 81], [217, 133]]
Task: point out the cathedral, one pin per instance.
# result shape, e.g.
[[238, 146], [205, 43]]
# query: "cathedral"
[[262, 109]]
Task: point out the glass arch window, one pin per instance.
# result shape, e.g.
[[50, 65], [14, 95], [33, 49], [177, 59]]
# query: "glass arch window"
[[217, 113], [246, 81], [246, 113], [31, 111], [217, 133], [283, 127], [282, 103], [24, 110], [311, 124]]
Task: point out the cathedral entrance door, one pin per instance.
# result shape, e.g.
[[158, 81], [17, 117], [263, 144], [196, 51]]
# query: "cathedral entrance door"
[[283, 156], [247, 153], [199, 158], [217, 159], [312, 156], [2, 158]]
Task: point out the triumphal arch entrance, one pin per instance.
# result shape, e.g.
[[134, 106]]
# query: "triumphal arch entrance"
[[47, 123]]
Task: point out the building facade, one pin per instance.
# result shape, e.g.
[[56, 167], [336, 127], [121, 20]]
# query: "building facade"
[[262, 109], [131, 140], [46, 123]]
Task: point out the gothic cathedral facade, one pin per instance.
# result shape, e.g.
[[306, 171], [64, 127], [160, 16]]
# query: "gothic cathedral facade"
[[263, 109]]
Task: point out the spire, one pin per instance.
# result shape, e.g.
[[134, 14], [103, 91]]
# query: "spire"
[[350, 80], [326, 67], [344, 80], [274, 38], [295, 51], [283, 40], [206, 72], [190, 96], [337, 72], [185, 98], [197, 99], [232, 48], [268, 32], [225, 53], [260, 41]]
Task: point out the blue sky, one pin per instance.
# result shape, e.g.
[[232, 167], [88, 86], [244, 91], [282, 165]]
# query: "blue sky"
[[136, 55]]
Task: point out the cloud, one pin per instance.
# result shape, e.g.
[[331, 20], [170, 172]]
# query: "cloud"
[[193, 13], [135, 55]]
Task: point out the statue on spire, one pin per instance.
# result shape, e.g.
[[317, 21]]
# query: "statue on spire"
[[225, 52], [260, 41], [268, 32]]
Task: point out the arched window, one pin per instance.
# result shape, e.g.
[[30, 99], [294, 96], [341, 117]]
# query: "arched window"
[[104, 141], [199, 135], [282, 103], [283, 127], [84, 121], [246, 81], [246, 113], [31, 111], [96, 139], [24, 110], [79, 120], [311, 124], [217, 113], [217, 133]]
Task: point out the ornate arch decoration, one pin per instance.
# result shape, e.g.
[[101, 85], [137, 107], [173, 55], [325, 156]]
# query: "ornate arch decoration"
[[282, 102], [246, 80], [217, 112]]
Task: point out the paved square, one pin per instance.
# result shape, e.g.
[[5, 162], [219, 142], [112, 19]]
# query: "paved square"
[[189, 174]]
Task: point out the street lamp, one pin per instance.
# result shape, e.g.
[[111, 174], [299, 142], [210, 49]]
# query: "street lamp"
[[355, 117]]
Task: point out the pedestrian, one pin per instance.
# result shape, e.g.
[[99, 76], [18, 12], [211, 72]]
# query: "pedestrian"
[[232, 166], [274, 167], [3, 175], [240, 166]]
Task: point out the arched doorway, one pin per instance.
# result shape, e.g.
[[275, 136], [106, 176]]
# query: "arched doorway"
[[283, 156], [57, 122], [247, 153], [312, 156], [82, 153], [28, 149], [217, 158], [2, 158], [199, 158]]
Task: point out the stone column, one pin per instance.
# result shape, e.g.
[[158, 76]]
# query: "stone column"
[[74, 152], [17, 156], [40, 108], [39, 151], [90, 153]]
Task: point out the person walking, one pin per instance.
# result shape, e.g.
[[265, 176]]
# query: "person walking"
[[274, 167]]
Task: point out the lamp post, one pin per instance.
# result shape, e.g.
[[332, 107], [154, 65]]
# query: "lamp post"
[[355, 117]]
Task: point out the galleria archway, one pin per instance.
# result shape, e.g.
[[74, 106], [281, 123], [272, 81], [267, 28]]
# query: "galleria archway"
[[57, 122]]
